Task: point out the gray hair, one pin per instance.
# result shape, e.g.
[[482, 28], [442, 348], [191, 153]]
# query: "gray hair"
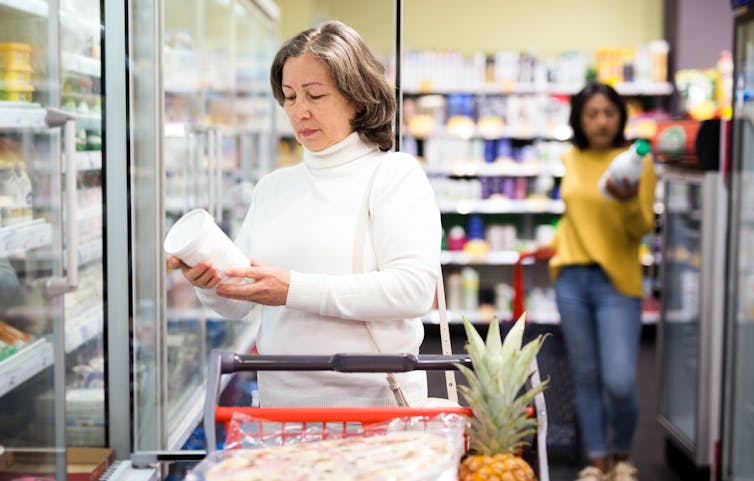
[[354, 70]]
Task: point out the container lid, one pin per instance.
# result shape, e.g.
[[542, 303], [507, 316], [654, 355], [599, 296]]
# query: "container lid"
[[16, 67], [641, 147], [22, 47], [17, 87]]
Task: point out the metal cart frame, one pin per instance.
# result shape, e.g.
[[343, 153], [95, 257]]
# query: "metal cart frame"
[[223, 362]]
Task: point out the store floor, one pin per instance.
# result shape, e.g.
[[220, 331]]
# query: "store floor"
[[649, 441]]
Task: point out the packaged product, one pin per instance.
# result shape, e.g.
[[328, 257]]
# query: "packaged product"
[[404, 449], [14, 55]]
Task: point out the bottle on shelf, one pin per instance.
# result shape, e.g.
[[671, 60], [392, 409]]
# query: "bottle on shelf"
[[626, 166], [476, 245], [24, 192], [470, 288]]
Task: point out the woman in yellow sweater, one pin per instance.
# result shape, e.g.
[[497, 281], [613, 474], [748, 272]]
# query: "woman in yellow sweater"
[[598, 281]]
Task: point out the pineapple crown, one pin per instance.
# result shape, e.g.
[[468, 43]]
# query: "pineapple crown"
[[495, 390]]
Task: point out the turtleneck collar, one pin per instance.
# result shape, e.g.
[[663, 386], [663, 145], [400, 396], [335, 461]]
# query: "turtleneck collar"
[[347, 150]]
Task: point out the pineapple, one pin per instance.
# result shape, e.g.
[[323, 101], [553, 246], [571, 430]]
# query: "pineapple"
[[500, 421]]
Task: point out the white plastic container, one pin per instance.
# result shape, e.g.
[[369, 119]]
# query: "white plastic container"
[[626, 165], [195, 238]]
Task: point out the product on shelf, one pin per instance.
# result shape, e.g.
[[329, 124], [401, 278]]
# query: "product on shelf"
[[11, 340], [469, 289], [15, 72]]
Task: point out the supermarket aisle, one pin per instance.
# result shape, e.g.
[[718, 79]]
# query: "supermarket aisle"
[[649, 444]]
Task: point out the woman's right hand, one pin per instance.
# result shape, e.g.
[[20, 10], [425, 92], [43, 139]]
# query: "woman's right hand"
[[203, 275]]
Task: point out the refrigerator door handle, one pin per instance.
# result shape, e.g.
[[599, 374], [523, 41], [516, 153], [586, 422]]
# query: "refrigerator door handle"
[[218, 178], [210, 172], [57, 286]]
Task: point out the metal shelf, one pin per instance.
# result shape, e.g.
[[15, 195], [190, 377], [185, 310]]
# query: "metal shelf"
[[503, 258], [502, 206], [497, 169], [22, 115], [24, 237], [81, 64], [24, 364], [83, 327]]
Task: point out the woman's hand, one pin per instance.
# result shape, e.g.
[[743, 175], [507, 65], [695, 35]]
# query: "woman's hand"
[[270, 286], [622, 190], [203, 275]]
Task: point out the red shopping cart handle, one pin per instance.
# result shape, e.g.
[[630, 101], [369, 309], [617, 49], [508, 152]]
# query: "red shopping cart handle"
[[541, 254]]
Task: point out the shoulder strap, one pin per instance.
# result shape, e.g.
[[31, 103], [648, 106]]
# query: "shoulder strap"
[[358, 266]]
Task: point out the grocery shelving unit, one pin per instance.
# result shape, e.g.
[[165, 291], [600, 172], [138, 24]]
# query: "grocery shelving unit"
[[460, 165]]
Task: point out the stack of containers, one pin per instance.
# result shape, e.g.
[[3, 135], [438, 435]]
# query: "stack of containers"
[[15, 72]]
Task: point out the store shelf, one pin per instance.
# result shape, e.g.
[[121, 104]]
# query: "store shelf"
[[625, 88], [76, 22], [484, 317], [32, 7], [90, 251], [21, 115], [183, 315], [90, 121], [88, 160], [24, 364], [24, 237], [81, 64], [502, 258], [497, 169], [185, 417], [502, 206], [68, 18], [646, 89], [84, 326]]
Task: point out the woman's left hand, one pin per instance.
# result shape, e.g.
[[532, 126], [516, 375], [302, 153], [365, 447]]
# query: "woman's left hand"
[[622, 190], [269, 286]]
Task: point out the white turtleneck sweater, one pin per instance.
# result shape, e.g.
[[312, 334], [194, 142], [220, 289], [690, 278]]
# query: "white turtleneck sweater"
[[303, 218]]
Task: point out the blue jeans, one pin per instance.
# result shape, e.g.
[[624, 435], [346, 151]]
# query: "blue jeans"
[[601, 328]]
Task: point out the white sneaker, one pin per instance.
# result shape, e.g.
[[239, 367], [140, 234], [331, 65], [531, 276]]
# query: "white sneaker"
[[591, 473], [623, 471]]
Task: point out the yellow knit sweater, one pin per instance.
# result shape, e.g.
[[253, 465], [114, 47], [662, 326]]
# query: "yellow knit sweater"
[[595, 229]]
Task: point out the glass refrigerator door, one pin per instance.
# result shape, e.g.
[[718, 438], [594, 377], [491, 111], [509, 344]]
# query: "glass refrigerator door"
[[49, 367], [738, 435], [202, 150], [692, 311], [81, 96], [682, 231]]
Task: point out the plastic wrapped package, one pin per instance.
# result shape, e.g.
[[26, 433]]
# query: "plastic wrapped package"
[[403, 449]]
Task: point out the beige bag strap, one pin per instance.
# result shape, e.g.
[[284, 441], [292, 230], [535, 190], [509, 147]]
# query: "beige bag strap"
[[358, 267], [447, 347]]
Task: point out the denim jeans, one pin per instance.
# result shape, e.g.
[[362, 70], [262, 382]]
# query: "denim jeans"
[[601, 328]]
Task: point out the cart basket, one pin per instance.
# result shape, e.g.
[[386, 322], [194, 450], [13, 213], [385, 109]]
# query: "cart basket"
[[223, 362]]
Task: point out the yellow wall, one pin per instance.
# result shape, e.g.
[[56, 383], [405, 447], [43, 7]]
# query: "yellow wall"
[[547, 26]]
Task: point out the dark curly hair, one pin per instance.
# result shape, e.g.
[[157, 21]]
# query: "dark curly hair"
[[354, 70], [577, 107]]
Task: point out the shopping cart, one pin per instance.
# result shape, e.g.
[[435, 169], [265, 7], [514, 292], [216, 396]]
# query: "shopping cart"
[[564, 438], [222, 362]]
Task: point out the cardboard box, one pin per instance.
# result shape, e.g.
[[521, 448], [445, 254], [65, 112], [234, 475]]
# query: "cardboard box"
[[84, 464]]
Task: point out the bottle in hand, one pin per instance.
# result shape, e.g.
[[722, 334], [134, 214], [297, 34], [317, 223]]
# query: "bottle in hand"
[[626, 166]]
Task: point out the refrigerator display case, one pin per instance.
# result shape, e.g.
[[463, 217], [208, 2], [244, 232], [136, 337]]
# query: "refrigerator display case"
[[201, 135], [738, 417], [691, 319], [51, 277]]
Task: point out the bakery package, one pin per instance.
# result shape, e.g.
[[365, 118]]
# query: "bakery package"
[[396, 455]]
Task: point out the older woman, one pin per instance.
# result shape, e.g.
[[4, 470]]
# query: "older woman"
[[325, 284]]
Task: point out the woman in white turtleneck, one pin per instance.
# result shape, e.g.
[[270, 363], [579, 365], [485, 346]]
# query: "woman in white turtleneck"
[[301, 226]]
